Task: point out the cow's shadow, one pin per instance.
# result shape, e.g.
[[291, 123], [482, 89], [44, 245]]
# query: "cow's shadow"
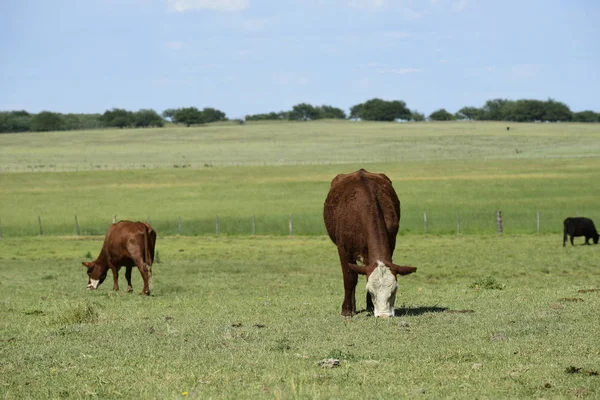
[[411, 311], [420, 310]]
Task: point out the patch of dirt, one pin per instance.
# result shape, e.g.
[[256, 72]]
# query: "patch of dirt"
[[578, 370], [571, 299], [329, 363], [588, 290]]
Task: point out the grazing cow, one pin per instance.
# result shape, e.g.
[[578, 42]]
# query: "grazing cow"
[[579, 226], [362, 216], [126, 244]]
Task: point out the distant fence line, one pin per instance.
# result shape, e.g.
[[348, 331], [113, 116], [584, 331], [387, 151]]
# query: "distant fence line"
[[296, 225]]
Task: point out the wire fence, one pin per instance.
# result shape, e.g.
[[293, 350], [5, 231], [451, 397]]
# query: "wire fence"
[[412, 223]]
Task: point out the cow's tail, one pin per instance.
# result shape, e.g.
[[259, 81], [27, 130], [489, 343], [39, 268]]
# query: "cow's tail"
[[149, 242]]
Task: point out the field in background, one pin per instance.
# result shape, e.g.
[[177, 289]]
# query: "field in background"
[[293, 143], [456, 173], [483, 317]]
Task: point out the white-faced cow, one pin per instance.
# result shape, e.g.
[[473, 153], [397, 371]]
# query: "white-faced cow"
[[362, 217], [579, 226], [127, 244]]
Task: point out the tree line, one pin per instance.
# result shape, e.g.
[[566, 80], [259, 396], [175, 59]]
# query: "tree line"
[[523, 110]]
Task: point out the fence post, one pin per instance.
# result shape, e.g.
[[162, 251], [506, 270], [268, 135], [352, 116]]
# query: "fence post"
[[291, 225], [425, 220], [179, 226], [77, 226], [217, 226], [40, 223], [114, 219], [538, 221], [499, 221], [457, 224], [253, 226]]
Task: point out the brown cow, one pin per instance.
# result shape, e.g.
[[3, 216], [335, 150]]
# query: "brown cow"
[[362, 216], [126, 244]]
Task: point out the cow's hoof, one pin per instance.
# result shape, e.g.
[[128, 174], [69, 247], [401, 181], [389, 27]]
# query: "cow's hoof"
[[129, 290]]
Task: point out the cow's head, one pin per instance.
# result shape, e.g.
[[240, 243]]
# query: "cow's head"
[[96, 274], [382, 285]]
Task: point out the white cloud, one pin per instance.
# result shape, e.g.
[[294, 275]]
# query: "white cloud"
[[214, 5]]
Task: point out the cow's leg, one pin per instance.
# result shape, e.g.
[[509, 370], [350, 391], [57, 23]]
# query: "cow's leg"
[[128, 276], [564, 238], [350, 280], [115, 273], [370, 306], [587, 238], [142, 267], [571, 238]]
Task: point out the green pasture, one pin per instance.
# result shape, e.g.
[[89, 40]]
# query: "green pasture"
[[252, 177], [512, 316], [241, 316], [293, 143]]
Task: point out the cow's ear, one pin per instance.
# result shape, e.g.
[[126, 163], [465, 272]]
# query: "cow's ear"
[[359, 269], [87, 264], [402, 270]]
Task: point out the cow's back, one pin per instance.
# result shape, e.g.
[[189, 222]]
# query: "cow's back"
[[126, 241], [353, 201], [579, 226]]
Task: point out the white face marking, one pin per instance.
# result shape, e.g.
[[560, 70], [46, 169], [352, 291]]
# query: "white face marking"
[[382, 286], [93, 284]]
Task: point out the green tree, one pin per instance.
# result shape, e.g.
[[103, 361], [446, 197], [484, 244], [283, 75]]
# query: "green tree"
[[169, 113], [494, 110], [417, 116], [330, 112], [440, 115], [117, 117], [470, 113], [147, 117], [212, 115], [188, 116], [557, 111], [47, 121], [586, 116], [380, 110], [15, 121], [304, 112]]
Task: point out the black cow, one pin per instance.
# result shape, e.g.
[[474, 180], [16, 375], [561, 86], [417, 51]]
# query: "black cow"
[[580, 226]]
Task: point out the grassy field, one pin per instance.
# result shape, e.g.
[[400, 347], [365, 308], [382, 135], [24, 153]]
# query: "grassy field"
[[241, 316], [483, 317], [288, 143], [272, 170]]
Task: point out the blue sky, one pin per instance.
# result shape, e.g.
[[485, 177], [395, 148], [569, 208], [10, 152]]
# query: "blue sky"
[[255, 56]]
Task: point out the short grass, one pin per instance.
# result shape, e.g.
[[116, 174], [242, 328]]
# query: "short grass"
[[508, 316], [455, 173], [288, 143]]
